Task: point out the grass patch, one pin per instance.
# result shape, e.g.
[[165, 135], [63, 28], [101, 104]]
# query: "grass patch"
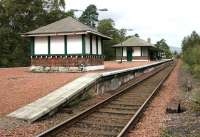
[[166, 133], [195, 100]]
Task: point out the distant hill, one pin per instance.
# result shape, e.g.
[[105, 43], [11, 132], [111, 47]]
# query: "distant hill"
[[177, 49]]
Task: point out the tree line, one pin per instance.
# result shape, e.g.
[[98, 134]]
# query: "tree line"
[[191, 52], [19, 16]]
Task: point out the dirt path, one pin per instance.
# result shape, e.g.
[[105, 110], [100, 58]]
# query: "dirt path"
[[152, 122]]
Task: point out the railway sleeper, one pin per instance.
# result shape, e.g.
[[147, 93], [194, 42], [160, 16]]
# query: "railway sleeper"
[[110, 122], [93, 132], [115, 120], [126, 103], [131, 97], [133, 100], [136, 96], [112, 112], [103, 115], [99, 126], [82, 134], [118, 110], [122, 107]]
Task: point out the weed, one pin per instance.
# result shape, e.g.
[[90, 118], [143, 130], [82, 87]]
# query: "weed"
[[195, 100], [166, 133]]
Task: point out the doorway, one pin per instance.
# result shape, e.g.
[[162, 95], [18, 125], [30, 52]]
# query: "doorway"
[[129, 54]]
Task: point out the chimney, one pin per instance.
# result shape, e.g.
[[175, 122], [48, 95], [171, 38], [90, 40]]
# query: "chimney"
[[149, 40]]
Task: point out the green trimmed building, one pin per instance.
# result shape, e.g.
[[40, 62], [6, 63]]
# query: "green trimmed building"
[[136, 49], [66, 45]]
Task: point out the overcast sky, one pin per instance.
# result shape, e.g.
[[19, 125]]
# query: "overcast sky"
[[168, 19]]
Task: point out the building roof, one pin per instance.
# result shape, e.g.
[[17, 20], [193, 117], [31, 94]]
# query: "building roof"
[[134, 42], [66, 26]]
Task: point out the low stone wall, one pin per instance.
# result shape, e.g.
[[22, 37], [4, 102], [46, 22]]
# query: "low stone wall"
[[112, 80]]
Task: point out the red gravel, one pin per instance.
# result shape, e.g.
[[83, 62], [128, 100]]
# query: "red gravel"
[[110, 65], [19, 86], [153, 119]]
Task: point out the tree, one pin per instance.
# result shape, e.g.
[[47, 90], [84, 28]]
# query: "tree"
[[24, 16], [122, 34], [137, 35], [19, 16], [191, 52], [107, 27], [54, 5], [162, 45], [190, 41], [90, 16]]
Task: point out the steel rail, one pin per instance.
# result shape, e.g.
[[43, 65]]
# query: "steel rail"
[[90, 110], [138, 114]]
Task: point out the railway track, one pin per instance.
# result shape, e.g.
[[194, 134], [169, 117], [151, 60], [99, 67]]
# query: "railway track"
[[117, 114]]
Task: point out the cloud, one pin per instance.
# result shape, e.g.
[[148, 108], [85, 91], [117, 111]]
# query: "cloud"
[[168, 19]]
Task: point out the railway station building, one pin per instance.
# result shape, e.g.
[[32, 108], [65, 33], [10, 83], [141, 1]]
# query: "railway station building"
[[136, 49], [66, 45]]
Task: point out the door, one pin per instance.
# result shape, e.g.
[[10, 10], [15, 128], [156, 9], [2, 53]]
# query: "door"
[[129, 54]]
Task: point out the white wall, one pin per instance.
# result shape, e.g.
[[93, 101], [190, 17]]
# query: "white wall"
[[136, 51], [119, 52], [41, 45], [57, 45], [99, 46], [74, 44], [94, 47], [144, 51], [124, 51], [87, 44]]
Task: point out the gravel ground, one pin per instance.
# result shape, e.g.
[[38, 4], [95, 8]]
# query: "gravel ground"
[[15, 128], [185, 124], [14, 94], [20, 87], [153, 120]]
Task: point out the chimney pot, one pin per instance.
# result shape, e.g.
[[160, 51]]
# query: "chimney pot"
[[149, 40]]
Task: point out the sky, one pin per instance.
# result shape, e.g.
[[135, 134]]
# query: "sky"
[[155, 19]]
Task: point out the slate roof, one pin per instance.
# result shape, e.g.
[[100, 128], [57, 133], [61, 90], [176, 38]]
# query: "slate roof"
[[134, 42], [64, 26]]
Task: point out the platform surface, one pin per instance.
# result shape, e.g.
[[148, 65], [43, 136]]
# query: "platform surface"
[[20, 87], [46, 104], [42, 106]]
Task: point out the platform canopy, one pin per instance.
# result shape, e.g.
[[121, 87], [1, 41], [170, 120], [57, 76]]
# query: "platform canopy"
[[66, 26]]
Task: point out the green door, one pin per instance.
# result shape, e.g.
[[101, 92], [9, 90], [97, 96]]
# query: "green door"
[[129, 54]]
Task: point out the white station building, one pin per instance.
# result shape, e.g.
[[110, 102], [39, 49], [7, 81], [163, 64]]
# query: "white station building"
[[136, 49], [66, 45]]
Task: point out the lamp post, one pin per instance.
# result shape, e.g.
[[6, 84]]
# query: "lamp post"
[[90, 19]]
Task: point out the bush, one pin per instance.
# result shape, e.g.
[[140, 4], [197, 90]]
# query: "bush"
[[196, 70], [192, 58], [195, 99]]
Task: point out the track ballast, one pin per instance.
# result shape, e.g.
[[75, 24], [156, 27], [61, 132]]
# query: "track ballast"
[[113, 117]]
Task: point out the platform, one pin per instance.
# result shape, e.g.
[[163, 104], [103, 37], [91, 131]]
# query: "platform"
[[42, 106], [46, 104]]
